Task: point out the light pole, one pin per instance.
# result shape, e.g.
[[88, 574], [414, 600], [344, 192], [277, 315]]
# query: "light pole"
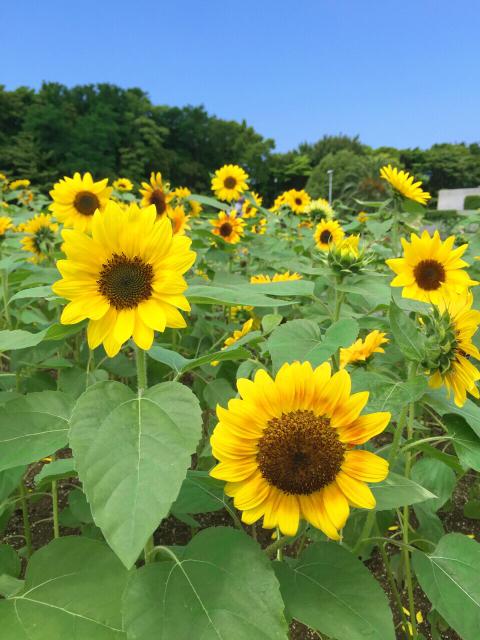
[[330, 182]]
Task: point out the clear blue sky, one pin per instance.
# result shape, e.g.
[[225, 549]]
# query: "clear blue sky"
[[396, 73]]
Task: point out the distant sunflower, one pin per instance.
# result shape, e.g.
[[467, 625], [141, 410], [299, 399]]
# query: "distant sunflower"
[[228, 226], [362, 350], [235, 337], [297, 200], [460, 375], [249, 210], [41, 236], [179, 220], [5, 225], [76, 199], [278, 277], [260, 228], [404, 183], [279, 202], [229, 182], [127, 278], [319, 208], [285, 449], [328, 232], [123, 184], [430, 269], [17, 184], [362, 217], [181, 196], [155, 193]]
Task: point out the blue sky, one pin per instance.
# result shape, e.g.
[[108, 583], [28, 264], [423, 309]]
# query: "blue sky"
[[396, 73]]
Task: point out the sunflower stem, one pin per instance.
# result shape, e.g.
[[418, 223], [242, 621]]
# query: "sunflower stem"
[[26, 522], [397, 434], [5, 298], [141, 361], [278, 544], [280, 549], [393, 585], [339, 297], [406, 521], [366, 531]]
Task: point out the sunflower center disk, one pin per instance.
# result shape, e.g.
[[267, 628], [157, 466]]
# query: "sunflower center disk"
[[125, 282], [300, 452], [226, 229], [429, 274], [230, 182], [298, 201], [325, 236], [158, 199], [86, 203]]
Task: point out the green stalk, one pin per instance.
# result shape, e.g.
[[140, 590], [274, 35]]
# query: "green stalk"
[[339, 298], [280, 549], [56, 526], [26, 522], [406, 525], [393, 585], [6, 310], [278, 544]]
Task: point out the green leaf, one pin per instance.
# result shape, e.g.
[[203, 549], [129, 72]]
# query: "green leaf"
[[270, 321], [209, 202], [441, 404], [73, 589], [199, 493], [9, 561], [385, 393], [301, 340], [44, 292], [465, 441], [10, 586], [331, 591], [19, 339], [181, 365], [132, 455], [406, 333], [61, 331], [222, 587], [32, 427], [397, 491], [437, 477], [56, 470], [449, 578], [248, 295]]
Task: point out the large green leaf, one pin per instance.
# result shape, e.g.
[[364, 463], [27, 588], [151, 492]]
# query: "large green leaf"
[[200, 493], [33, 426], [397, 491], [470, 411], [132, 455], [19, 339], [331, 591], [221, 588], [449, 577], [232, 295], [387, 394], [406, 333], [437, 477], [465, 441], [181, 365], [301, 340], [73, 589]]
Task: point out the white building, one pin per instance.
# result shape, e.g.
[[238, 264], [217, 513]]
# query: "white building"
[[454, 198]]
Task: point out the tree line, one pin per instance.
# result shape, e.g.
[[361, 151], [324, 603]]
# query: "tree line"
[[114, 132]]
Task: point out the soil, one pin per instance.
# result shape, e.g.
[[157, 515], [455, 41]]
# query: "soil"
[[175, 532]]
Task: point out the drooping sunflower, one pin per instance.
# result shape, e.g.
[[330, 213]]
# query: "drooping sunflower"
[[76, 199], [249, 210], [179, 220], [229, 182], [454, 368], [5, 225], [285, 449], [319, 208], [228, 226], [430, 269], [123, 184], [17, 184], [362, 350], [155, 193], [328, 232], [181, 196], [297, 200], [404, 183], [41, 234], [127, 278]]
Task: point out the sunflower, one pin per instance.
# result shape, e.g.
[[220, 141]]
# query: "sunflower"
[[76, 199], [458, 374], [127, 279], [285, 449], [279, 202], [362, 350], [25, 197], [5, 225], [41, 235], [123, 184], [228, 226], [17, 184], [249, 210], [179, 220], [229, 182], [362, 217], [181, 196], [319, 208], [3, 177], [278, 277], [430, 268], [155, 193], [404, 183], [328, 232], [260, 228], [297, 200], [235, 337]]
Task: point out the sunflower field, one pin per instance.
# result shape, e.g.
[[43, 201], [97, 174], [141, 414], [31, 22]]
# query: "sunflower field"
[[224, 418]]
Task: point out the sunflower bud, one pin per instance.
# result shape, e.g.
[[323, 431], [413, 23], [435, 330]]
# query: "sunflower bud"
[[440, 342], [347, 257]]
